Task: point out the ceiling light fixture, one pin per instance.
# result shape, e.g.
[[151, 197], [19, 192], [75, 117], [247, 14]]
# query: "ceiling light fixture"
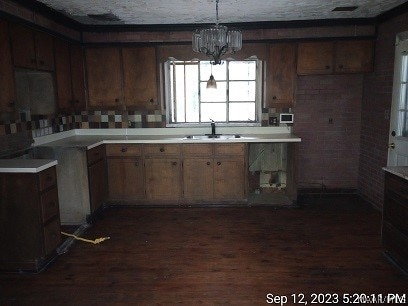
[[217, 40], [211, 83]]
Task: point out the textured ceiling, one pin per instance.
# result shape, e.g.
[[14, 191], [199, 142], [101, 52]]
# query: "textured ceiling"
[[148, 12]]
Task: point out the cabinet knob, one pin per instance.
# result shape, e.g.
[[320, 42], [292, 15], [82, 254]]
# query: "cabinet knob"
[[274, 97], [123, 150], [219, 163], [151, 100], [117, 100], [161, 149], [137, 164], [327, 67], [174, 163], [341, 66], [208, 163]]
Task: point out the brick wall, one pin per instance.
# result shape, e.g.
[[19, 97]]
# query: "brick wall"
[[377, 99], [328, 119]]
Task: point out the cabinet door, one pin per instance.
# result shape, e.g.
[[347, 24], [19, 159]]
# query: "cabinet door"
[[140, 77], [315, 58], [281, 75], [229, 178], [163, 178], [44, 51], [77, 77], [354, 56], [198, 178], [63, 76], [97, 184], [126, 179], [22, 42], [103, 67], [7, 88]]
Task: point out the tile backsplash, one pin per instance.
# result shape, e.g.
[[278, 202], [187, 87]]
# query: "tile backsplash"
[[41, 125]]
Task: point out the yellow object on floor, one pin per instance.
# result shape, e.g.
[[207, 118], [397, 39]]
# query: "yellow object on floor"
[[96, 241]]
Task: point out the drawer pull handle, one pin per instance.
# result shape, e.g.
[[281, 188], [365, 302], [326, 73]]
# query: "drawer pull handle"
[[174, 163], [327, 67], [161, 149], [219, 163], [208, 163], [274, 97], [123, 150]]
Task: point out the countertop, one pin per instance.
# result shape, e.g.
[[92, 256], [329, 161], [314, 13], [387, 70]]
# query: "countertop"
[[401, 171], [89, 139], [18, 165]]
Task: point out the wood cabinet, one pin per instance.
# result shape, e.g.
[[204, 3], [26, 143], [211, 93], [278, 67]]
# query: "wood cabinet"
[[29, 220], [97, 176], [140, 77], [125, 172], [163, 176], [281, 75], [7, 86], [77, 77], [214, 172], [104, 75], [31, 49], [395, 216], [315, 58], [69, 76], [354, 56]]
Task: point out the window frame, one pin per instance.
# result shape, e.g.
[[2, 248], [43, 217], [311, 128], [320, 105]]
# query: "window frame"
[[259, 84]]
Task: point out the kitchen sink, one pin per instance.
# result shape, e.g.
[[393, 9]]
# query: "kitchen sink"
[[210, 136]]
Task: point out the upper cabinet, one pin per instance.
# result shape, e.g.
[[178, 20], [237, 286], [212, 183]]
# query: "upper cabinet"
[[140, 77], [104, 75], [31, 49], [281, 75], [354, 56], [77, 77], [7, 88], [122, 78], [315, 58], [69, 74]]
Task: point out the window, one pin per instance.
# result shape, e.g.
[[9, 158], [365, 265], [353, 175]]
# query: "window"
[[236, 100], [403, 101]]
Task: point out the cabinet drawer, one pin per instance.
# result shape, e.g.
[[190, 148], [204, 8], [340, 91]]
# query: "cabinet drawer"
[[123, 150], [52, 236], [163, 149], [230, 149], [197, 149], [47, 178], [95, 154], [49, 204], [396, 245]]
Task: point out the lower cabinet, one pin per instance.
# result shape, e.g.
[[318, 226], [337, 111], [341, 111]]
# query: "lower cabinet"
[[97, 176], [214, 172], [29, 220], [126, 178], [177, 174], [395, 216], [163, 178]]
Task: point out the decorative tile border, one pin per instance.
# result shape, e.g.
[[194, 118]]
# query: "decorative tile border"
[[41, 125]]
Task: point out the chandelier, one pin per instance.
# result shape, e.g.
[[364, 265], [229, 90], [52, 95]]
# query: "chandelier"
[[217, 40]]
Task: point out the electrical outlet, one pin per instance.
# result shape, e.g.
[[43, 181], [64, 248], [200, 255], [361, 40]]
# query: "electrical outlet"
[[273, 121]]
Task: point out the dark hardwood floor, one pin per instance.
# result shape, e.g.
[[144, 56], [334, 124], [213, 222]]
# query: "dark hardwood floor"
[[216, 256]]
